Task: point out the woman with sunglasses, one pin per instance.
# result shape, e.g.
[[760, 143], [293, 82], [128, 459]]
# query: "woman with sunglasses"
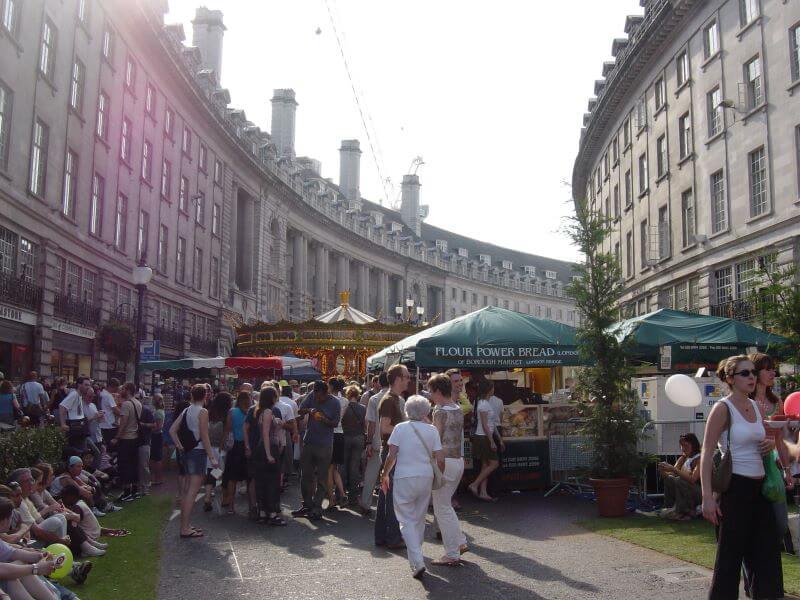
[[745, 520]]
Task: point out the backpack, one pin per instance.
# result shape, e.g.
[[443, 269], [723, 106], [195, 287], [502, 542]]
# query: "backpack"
[[186, 435], [352, 421]]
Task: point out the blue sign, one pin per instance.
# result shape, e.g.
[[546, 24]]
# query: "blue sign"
[[149, 350]]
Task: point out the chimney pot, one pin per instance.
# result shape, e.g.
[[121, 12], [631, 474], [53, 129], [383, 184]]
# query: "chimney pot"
[[207, 32], [350, 169], [284, 107]]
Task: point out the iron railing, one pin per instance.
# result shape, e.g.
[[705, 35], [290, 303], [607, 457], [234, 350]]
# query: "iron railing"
[[76, 311], [169, 337], [740, 310], [20, 292], [201, 344]]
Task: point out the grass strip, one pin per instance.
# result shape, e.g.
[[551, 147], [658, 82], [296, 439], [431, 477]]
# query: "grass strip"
[[692, 541]]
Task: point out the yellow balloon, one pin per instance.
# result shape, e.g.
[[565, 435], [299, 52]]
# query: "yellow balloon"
[[63, 556]]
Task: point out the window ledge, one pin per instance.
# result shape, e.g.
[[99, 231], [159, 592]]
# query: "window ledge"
[[5, 175], [692, 246], [165, 199], [660, 110], [715, 137], [719, 233], [753, 111], [102, 141], [686, 159], [48, 81], [630, 206], [145, 182], [641, 131], [793, 87], [748, 27], [626, 148], [709, 60], [200, 225], [764, 215], [10, 37], [183, 213], [119, 251], [67, 218], [683, 86], [644, 193], [661, 178]]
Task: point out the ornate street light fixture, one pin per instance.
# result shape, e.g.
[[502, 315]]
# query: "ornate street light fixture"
[[142, 274]]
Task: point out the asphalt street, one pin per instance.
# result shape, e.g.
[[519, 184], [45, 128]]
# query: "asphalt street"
[[524, 546]]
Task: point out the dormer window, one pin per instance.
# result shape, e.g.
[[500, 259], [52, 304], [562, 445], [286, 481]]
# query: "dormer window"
[[507, 265], [530, 271], [550, 274], [485, 259], [441, 245], [463, 252]]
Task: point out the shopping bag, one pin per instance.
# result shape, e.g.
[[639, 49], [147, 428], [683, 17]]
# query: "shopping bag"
[[794, 530], [773, 488]]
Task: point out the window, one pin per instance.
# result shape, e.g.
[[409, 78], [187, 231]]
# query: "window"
[[797, 154], [28, 252], [83, 12], [11, 10], [719, 205], [710, 39], [150, 100], [6, 100], [463, 295], [202, 160], [166, 179], [216, 217], [628, 189], [70, 184], [641, 113], [550, 274], [147, 161], [794, 51], [96, 205], [660, 93], [108, 44], [643, 253], [615, 149], [663, 232], [694, 294], [629, 254], [214, 290], [616, 201], [180, 260], [748, 10], [685, 133], [200, 208], [38, 171], [723, 284], [758, 182], [752, 77], [143, 235], [681, 297], [643, 177], [197, 269], [606, 168], [76, 86], [130, 74], [47, 56], [626, 132], [453, 293], [662, 160], [169, 123], [125, 141], [687, 218], [73, 278], [163, 248], [218, 172], [617, 255], [682, 68], [186, 142], [103, 107], [746, 278], [716, 114], [183, 195], [121, 223]]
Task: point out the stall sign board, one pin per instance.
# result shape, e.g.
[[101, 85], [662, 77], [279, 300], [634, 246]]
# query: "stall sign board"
[[525, 464], [497, 356]]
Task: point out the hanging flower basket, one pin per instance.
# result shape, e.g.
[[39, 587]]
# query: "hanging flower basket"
[[117, 339]]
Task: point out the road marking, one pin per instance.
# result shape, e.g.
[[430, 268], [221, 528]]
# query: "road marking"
[[177, 511], [235, 560]]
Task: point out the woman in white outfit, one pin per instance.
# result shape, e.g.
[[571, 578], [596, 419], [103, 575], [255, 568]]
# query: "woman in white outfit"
[[410, 447], [449, 422]]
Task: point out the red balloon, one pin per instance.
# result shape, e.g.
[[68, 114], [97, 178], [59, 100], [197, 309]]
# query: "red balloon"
[[791, 406]]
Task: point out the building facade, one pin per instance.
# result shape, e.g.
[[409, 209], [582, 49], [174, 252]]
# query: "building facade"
[[692, 148], [118, 146]]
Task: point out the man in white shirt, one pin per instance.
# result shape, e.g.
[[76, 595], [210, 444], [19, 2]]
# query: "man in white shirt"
[[34, 399], [71, 411], [374, 448], [374, 388], [108, 405]]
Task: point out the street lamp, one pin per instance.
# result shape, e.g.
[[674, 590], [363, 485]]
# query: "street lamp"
[[142, 274], [420, 312], [398, 310]]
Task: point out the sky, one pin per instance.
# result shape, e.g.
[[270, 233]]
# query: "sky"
[[491, 95]]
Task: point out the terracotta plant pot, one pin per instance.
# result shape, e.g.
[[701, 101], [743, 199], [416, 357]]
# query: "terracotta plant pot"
[[611, 494]]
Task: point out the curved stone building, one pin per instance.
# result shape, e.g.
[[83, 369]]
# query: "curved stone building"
[[117, 144], [692, 147]]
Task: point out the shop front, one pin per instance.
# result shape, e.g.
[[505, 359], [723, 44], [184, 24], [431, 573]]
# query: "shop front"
[[73, 349], [16, 342]]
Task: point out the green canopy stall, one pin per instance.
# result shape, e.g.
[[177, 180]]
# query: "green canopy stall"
[[677, 340]]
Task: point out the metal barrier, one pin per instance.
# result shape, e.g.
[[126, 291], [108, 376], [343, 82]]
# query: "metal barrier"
[[570, 456], [662, 439]]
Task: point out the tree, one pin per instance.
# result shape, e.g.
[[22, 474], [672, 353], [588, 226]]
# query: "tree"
[[779, 300], [607, 401]]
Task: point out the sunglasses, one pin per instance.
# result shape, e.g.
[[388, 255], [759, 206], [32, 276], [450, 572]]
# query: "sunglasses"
[[746, 372]]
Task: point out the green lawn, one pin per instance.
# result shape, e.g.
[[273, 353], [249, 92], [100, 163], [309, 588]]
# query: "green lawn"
[[692, 541], [131, 565]]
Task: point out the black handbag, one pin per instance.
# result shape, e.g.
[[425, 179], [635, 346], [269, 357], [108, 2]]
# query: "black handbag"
[[722, 469]]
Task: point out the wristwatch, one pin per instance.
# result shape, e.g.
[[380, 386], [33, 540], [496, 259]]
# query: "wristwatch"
[[35, 569]]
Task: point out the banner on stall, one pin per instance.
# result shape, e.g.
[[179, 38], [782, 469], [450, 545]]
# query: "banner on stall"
[[497, 356]]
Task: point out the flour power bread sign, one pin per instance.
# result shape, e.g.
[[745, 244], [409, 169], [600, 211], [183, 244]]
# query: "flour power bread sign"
[[511, 356]]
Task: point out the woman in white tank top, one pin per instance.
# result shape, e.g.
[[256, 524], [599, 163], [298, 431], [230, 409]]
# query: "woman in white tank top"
[[744, 517]]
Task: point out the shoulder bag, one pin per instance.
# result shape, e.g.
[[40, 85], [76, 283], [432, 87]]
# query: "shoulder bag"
[[723, 463], [438, 476], [185, 435], [142, 432]]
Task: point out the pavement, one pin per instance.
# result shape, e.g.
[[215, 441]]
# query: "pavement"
[[524, 546]]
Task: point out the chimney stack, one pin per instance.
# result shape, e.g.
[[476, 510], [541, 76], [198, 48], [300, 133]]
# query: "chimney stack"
[[409, 204], [350, 169], [207, 32], [283, 109]]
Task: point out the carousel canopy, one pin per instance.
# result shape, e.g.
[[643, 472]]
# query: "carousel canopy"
[[345, 312], [488, 338]]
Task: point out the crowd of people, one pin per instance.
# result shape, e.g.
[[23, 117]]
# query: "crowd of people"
[[113, 444], [345, 446]]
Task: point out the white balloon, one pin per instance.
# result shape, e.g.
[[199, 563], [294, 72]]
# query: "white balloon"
[[683, 391]]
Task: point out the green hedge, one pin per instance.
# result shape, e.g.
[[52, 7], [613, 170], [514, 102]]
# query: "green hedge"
[[26, 447]]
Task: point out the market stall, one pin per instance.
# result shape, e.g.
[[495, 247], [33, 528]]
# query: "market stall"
[[497, 340]]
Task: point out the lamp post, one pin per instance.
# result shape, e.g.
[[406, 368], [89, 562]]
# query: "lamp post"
[[398, 311], [420, 312], [141, 277]]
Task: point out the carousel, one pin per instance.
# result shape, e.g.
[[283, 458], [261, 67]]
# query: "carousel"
[[337, 342]]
